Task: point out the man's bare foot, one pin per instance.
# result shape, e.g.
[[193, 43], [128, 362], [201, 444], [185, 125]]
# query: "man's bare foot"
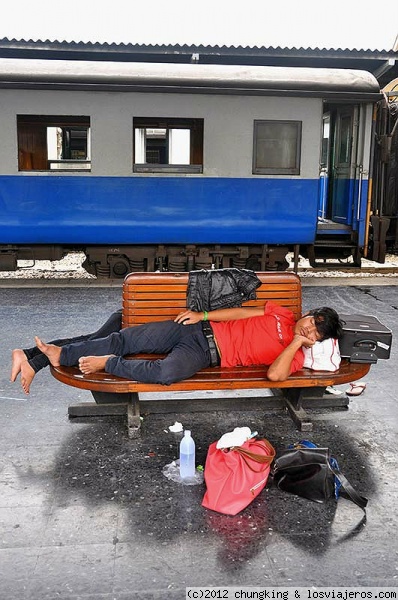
[[18, 356], [93, 364], [20, 365], [27, 376], [52, 352]]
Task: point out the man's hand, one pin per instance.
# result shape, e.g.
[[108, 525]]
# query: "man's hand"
[[304, 341], [280, 368], [189, 317]]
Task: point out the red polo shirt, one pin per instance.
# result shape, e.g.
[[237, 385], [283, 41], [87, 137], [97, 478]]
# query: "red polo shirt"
[[257, 340]]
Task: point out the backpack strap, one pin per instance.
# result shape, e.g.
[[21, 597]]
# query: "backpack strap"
[[360, 501]]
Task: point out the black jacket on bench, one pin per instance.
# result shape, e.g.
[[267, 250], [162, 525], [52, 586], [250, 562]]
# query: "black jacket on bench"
[[220, 288]]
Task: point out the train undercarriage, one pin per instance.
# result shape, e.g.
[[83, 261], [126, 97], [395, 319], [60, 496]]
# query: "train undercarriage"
[[115, 262]]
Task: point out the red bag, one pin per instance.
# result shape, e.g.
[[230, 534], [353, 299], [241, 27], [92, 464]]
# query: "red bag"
[[235, 476]]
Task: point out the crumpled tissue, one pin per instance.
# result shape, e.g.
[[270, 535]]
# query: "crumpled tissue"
[[237, 437], [176, 428]]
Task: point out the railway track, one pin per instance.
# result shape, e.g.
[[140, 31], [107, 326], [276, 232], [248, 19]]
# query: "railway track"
[[357, 271], [368, 276]]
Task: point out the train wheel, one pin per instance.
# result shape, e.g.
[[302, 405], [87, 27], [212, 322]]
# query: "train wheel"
[[253, 263], [282, 266]]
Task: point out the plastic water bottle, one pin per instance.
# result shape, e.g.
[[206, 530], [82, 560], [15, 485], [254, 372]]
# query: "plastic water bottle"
[[187, 456]]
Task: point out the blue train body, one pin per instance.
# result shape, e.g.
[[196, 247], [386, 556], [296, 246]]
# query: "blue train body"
[[119, 210]]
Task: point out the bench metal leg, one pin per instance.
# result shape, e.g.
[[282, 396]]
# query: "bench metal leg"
[[110, 405], [293, 401], [297, 399], [133, 415]]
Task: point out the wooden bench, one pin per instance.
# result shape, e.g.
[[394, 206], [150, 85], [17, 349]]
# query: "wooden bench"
[[160, 296]]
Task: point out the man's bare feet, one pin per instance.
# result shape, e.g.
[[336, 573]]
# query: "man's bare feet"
[[18, 356], [52, 352], [20, 365], [93, 364]]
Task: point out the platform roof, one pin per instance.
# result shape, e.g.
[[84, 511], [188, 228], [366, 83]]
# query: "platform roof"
[[383, 64]]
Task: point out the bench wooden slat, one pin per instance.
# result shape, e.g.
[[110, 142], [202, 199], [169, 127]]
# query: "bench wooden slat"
[[269, 294], [151, 292], [157, 290], [292, 299], [160, 305]]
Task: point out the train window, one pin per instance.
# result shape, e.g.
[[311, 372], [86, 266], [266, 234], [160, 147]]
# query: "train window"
[[53, 143], [276, 147], [169, 145], [345, 139]]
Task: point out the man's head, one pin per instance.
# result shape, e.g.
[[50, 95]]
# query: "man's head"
[[319, 324]]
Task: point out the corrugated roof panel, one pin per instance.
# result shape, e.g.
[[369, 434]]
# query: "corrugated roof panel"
[[184, 47]]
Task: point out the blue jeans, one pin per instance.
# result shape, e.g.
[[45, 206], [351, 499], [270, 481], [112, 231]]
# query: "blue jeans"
[[185, 345], [38, 360]]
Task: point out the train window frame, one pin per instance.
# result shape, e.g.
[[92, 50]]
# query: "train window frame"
[[42, 149], [294, 147], [162, 128]]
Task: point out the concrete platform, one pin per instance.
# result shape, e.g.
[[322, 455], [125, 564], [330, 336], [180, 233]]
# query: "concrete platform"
[[86, 513]]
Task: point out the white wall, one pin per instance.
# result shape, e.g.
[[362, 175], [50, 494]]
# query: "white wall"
[[228, 126]]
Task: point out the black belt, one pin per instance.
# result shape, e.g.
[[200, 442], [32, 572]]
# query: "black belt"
[[209, 335]]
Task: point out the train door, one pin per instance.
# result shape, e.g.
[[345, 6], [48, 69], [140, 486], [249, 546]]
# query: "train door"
[[337, 228], [343, 166], [324, 166]]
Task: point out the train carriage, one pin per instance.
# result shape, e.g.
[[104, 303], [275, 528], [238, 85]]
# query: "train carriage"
[[182, 166]]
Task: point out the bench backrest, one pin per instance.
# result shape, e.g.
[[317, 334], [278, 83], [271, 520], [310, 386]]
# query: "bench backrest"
[[161, 296]]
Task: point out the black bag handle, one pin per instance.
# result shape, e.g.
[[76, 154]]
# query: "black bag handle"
[[360, 501], [371, 344]]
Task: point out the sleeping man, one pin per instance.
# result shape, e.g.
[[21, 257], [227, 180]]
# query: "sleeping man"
[[265, 335]]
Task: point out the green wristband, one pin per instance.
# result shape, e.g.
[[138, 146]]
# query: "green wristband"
[[205, 315]]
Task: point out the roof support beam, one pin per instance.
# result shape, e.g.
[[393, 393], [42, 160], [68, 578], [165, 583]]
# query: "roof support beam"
[[384, 68]]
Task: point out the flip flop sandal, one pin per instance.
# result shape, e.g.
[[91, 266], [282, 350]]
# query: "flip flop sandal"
[[332, 390], [356, 389]]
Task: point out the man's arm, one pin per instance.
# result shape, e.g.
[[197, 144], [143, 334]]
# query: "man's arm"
[[189, 317], [280, 368]]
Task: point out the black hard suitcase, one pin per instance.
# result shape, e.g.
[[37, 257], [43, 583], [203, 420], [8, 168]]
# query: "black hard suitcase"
[[365, 339]]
